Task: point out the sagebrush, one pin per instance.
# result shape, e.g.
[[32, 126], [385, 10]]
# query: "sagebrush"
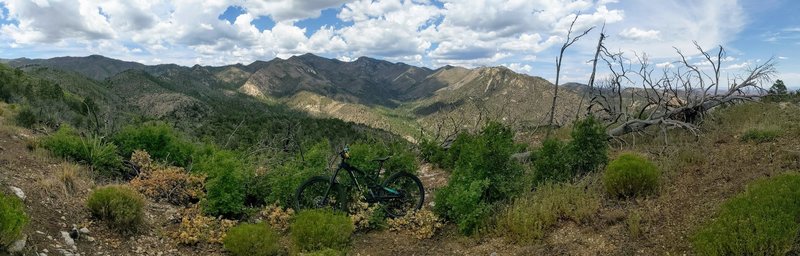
[[121, 207], [314, 230], [252, 240], [631, 175]]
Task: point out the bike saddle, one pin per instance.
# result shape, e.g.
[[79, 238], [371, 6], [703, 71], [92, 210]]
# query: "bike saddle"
[[382, 159]]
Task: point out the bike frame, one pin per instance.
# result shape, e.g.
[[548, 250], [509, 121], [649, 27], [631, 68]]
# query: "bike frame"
[[351, 171]]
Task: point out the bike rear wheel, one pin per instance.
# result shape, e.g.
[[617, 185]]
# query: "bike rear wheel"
[[411, 194], [311, 194]]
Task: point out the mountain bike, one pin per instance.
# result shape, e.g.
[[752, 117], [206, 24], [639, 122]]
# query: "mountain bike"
[[399, 194]]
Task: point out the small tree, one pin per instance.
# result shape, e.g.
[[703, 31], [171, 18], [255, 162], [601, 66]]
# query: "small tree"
[[778, 88]]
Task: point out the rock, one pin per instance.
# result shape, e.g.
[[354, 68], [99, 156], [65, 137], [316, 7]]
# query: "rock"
[[17, 191], [74, 233], [84, 230], [67, 240], [89, 238], [17, 246]]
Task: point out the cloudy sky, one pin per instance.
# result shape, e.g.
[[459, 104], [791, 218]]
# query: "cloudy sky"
[[521, 34]]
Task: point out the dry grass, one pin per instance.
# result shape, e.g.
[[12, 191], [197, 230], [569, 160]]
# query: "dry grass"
[[699, 173], [531, 215], [67, 180]]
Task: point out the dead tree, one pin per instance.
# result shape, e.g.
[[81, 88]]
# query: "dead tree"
[[636, 95], [570, 40]]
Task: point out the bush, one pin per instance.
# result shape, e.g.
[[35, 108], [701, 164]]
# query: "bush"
[[196, 228], [529, 216], [314, 230], [631, 175], [159, 139], [432, 152], [557, 161], [483, 175], [101, 156], [589, 146], [120, 206], [551, 162], [277, 217], [166, 183], [26, 118], [760, 221], [402, 158], [284, 180], [227, 174], [252, 240], [12, 219], [760, 135], [423, 224]]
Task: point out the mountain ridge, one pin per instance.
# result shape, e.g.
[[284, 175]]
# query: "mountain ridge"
[[366, 90]]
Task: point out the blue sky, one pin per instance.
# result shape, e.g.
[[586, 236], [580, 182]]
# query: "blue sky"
[[521, 34]]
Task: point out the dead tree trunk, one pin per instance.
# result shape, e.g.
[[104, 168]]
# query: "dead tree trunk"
[[676, 98], [560, 57]]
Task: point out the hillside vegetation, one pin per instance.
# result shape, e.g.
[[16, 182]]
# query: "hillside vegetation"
[[177, 160]]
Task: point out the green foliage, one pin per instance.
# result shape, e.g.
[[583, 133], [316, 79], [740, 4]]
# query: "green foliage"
[[483, 175], [432, 152], [530, 215], [760, 135], [252, 240], [158, 139], [588, 149], [12, 219], [101, 156], [402, 158], [26, 118], [589, 146], [227, 173], [284, 179], [318, 229], [760, 221], [631, 175], [120, 206], [552, 161]]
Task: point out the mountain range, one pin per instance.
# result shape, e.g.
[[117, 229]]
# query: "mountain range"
[[404, 99]]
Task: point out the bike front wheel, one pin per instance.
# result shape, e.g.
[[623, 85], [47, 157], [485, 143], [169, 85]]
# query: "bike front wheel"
[[408, 194], [311, 194]]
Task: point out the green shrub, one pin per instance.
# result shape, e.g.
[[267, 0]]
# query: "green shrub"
[[159, 139], [227, 173], [12, 219], [26, 117], [551, 162], [760, 135], [120, 206], [252, 240], [432, 152], [402, 158], [314, 230], [631, 175], [760, 221], [530, 215], [101, 156], [284, 179], [589, 146], [483, 175], [557, 161]]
